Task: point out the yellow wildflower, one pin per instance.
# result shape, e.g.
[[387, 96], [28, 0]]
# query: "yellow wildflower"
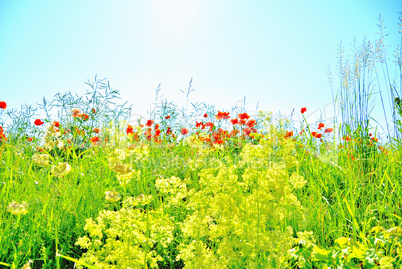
[[41, 159], [17, 208], [118, 167], [112, 196], [61, 169]]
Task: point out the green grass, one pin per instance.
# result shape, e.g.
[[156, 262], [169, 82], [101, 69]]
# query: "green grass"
[[238, 202]]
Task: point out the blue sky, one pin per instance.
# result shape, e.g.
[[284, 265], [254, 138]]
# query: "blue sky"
[[274, 53]]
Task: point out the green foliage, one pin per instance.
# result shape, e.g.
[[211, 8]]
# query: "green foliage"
[[379, 249]]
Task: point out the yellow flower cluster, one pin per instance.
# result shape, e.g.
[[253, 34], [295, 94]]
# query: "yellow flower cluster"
[[17, 208], [41, 159], [124, 172], [118, 166], [139, 233], [112, 196], [132, 202], [234, 214], [61, 169], [51, 138], [173, 188], [242, 208]]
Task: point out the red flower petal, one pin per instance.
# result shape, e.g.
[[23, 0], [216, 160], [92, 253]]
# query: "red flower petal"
[[184, 131], [3, 105], [38, 122]]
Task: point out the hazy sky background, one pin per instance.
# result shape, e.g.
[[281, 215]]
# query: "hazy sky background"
[[274, 53]]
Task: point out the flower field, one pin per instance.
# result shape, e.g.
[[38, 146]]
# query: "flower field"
[[90, 189]]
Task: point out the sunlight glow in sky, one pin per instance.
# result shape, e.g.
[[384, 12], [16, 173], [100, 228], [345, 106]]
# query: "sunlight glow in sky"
[[274, 53]]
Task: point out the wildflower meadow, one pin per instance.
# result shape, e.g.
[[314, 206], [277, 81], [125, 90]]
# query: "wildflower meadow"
[[86, 185]]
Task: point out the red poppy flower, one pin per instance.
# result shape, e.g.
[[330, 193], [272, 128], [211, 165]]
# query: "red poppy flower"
[[3, 137], [234, 132], [316, 135], [56, 124], [97, 130], [136, 137], [218, 141], [347, 138], [247, 131], [184, 131], [251, 123], [156, 126], [210, 125], [76, 112], [321, 125], [289, 134], [148, 133], [303, 110], [374, 139], [167, 117], [328, 130], [222, 115], [169, 131], [30, 139], [198, 124], [234, 121], [243, 116], [216, 135], [38, 122], [84, 116], [205, 115], [95, 140], [242, 122], [129, 130], [3, 105], [149, 123], [93, 110]]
